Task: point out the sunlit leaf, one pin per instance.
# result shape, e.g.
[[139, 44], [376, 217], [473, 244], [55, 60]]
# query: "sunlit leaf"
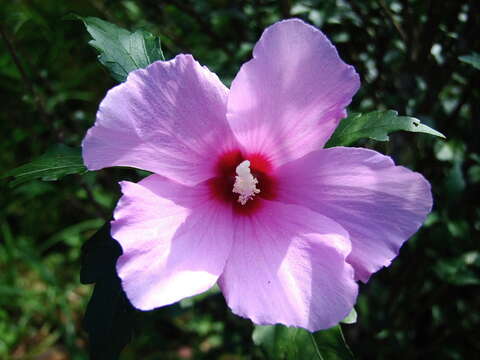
[[58, 161], [120, 50], [376, 125], [281, 342]]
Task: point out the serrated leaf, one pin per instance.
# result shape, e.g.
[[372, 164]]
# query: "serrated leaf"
[[120, 50], [281, 342], [58, 161], [109, 316], [376, 125], [471, 59]]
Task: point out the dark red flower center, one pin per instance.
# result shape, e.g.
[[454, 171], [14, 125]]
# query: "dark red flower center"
[[260, 168]]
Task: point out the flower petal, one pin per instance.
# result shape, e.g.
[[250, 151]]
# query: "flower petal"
[[168, 119], [175, 241], [287, 265], [380, 205], [289, 98]]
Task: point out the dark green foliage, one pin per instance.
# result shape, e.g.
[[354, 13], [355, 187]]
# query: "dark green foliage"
[[109, 316], [281, 342], [376, 125], [409, 55], [122, 51], [58, 161], [461, 270]]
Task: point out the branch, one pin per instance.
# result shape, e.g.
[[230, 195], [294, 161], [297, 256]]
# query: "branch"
[[396, 24], [39, 103]]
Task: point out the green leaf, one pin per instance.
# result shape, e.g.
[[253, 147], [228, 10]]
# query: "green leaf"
[[120, 50], [351, 317], [471, 59], [281, 342], [376, 125], [58, 161]]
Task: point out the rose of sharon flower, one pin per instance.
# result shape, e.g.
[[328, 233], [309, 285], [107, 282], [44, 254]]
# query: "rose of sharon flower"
[[243, 193]]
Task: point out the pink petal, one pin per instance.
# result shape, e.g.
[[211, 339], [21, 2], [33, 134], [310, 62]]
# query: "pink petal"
[[168, 119], [175, 241], [289, 98], [380, 205], [287, 266]]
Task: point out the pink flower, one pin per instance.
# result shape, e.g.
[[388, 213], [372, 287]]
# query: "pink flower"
[[243, 192]]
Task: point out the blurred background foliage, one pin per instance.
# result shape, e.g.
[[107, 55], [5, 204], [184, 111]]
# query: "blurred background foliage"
[[426, 305]]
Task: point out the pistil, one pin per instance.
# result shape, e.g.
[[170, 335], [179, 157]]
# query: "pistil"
[[245, 183]]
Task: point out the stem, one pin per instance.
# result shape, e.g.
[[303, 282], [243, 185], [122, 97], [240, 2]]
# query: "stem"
[[285, 8], [16, 61]]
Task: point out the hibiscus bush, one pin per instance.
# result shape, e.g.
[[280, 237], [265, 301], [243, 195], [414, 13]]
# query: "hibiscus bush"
[[248, 180]]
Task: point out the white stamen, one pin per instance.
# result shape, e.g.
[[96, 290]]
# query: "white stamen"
[[245, 184]]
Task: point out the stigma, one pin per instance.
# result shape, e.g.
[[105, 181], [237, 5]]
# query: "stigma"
[[245, 183]]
